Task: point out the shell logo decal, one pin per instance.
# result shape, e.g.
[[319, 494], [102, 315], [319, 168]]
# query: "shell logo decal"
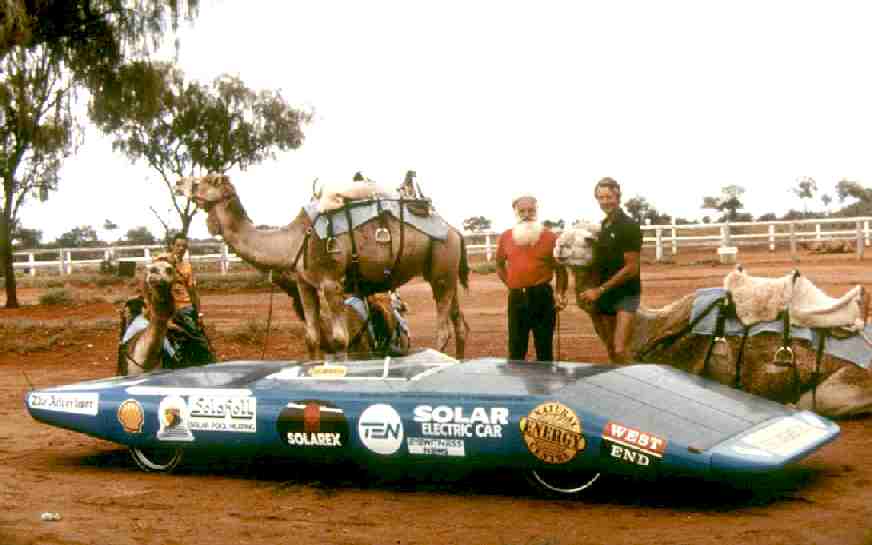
[[131, 416], [553, 433]]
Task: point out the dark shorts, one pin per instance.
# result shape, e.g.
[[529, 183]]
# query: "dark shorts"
[[611, 306]]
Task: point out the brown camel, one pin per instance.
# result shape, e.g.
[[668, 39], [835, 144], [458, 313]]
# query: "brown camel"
[[143, 351], [843, 388], [320, 273]]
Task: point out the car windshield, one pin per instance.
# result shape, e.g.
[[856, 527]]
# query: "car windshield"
[[410, 367]]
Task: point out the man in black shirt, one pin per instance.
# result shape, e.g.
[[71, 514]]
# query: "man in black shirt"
[[617, 256]]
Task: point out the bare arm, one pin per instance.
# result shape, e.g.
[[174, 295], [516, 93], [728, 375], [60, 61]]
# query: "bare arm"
[[631, 269]]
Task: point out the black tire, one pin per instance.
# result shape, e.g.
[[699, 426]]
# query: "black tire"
[[156, 460], [563, 484]]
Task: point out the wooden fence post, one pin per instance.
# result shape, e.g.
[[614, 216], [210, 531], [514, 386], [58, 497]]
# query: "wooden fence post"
[[488, 253], [658, 252], [860, 243], [225, 259], [792, 239], [31, 258], [771, 238], [674, 238]]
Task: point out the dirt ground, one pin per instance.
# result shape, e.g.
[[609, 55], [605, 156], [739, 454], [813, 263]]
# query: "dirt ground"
[[103, 498]]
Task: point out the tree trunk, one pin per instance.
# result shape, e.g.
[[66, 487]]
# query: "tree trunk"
[[6, 264]]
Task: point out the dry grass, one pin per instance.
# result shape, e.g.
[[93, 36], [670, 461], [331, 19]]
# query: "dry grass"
[[27, 336]]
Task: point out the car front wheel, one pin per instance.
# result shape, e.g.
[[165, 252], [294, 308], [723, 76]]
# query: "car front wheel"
[[561, 483], [156, 460]]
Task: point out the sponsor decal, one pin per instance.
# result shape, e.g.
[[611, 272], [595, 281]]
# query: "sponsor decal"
[[631, 445], [173, 418], [328, 371], [223, 413], [131, 416], [436, 447], [747, 451], [553, 433], [313, 423], [785, 437], [63, 402], [381, 429], [445, 421]]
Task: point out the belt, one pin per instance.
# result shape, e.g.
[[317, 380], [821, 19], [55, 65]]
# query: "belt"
[[531, 288]]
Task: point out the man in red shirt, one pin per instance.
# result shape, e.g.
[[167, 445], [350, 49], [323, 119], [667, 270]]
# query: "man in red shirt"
[[525, 264]]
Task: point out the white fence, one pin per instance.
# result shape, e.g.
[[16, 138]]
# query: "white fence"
[[659, 237]]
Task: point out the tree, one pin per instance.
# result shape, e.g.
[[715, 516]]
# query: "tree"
[[140, 235], [848, 188], [476, 224], [805, 189], [191, 129], [728, 201], [827, 199], [78, 237], [644, 212], [91, 37], [37, 131], [552, 224], [27, 238], [110, 225]]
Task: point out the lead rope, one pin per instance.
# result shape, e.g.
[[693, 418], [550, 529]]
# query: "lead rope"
[[272, 290]]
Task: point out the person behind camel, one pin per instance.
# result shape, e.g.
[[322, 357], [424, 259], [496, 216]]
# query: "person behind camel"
[[525, 264], [186, 333], [616, 268]]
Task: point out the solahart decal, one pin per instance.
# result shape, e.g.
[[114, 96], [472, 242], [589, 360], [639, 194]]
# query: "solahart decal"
[[553, 433], [220, 413], [436, 447], [65, 402], [131, 416], [380, 429], [173, 419], [314, 424], [632, 446], [445, 421]]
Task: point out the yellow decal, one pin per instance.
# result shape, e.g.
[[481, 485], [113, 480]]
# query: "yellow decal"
[[553, 433], [130, 416], [329, 371]]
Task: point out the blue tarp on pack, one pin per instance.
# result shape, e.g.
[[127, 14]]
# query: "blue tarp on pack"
[[363, 211], [854, 349]]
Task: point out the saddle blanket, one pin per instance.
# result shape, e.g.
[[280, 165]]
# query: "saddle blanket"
[[853, 349], [363, 211], [138, 324]]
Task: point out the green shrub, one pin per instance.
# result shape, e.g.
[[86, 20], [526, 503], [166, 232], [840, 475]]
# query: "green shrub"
[[485, 267], [56, 296]]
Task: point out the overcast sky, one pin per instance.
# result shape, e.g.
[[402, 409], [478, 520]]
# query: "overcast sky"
[[484, 99]]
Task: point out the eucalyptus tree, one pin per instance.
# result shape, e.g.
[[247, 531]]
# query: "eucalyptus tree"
[[185, 128], [37, 131], [728, 202]]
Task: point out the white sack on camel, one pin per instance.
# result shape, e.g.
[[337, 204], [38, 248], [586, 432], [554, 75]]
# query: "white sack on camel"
[[758, 299], [811, 307], [332, 198]]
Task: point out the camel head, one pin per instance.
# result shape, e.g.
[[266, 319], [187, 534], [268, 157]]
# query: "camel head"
[[158, 281], [574, 246], [206, 191]]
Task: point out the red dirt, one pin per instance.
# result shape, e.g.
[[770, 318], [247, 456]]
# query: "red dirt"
[[103, 498]]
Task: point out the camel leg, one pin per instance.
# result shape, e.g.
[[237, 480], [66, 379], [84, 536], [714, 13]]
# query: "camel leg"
[[444, 294], [311, 309], [335, 311], [461, 328], [847, 392]]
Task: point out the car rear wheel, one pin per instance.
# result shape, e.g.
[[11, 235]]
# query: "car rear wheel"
[[561, 483], [156, 460]]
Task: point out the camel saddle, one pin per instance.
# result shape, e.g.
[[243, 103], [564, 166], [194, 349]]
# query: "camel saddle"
[[851, 347], [759, 299], [416, 213]]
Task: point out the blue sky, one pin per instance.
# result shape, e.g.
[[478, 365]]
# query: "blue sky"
[[484, 99]]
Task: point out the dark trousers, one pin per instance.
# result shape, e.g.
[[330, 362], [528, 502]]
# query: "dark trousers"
[[532, 309]]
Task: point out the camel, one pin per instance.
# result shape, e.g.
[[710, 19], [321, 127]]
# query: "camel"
[[843, 389], [143, 351], [319, 267]]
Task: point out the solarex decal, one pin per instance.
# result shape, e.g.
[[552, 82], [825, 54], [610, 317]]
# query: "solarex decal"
[[553, 433], [63, 402], [220, 413], [381, 429], [313, 424], [173, 418], [131, 416], [631, 445], [445, 421]]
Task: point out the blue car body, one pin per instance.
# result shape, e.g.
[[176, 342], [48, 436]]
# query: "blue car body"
[[643, 420]]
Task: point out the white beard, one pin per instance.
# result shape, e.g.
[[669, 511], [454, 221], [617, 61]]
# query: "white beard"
[[527, 233]]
